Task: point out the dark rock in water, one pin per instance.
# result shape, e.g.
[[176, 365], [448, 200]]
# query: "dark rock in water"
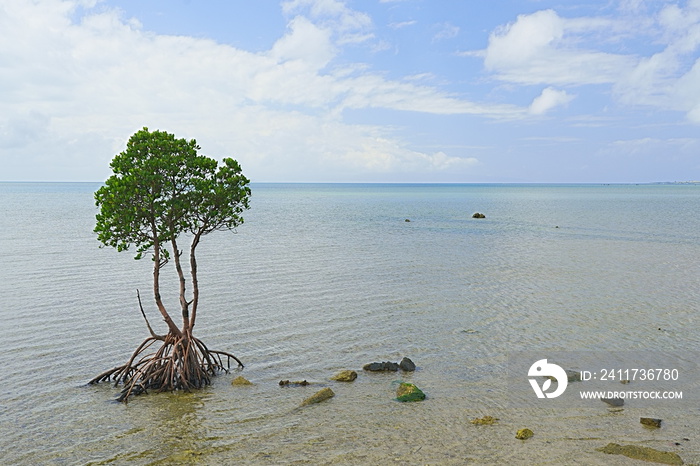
[[478, 215], [409, 392], [301, 383], [650, 421], [381, 366], [642, 453], [407, 220], [616, 402], [319, 396], [345, 376], [407, 365]]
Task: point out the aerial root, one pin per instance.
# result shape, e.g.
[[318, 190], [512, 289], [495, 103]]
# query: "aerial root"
[[181, 363]]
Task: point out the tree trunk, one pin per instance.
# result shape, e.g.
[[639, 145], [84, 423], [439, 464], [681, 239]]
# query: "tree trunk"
[[195, 282], [157, 265], [184, 305]]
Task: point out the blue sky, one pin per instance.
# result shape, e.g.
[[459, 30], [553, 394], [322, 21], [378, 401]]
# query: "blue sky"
[[357, 91]]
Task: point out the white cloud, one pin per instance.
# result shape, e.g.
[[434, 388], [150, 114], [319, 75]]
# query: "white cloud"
[[669, 79], [446, 31], [549, 99], [544, 49], [71, 93], [305, 42], [534, 50], [351, 26], [402, 24]]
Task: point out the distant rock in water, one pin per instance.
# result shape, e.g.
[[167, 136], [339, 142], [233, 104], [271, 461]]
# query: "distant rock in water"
[[478, 215], [319, 396], [381, 366], [407, 365], [407, 220], [345, 376]]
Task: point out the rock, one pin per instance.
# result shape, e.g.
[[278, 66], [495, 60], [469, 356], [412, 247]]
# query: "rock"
[[407, 220], [478, 215], [407, 365], [571, 376], [409, 392], [319, 396], [301, 383], [616, 402], [345, 376], [650, 421], [524, 434], [484, 421], [642, 453], [381, 366], [240, 380]]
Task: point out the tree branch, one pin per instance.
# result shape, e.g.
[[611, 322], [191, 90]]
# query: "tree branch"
[[153, 334]]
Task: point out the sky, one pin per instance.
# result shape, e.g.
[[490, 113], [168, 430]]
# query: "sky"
[[469, 91]]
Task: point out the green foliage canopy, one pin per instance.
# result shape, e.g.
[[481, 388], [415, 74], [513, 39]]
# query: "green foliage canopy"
[[161, 187]]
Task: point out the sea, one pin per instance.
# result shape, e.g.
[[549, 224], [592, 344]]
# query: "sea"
[[322, 278]]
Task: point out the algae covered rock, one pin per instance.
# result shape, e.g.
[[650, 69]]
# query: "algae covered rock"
[[409, 392], [240, 380], [319, 396], [524, 434], [484, 421], [478, 215], [642, 453], [650, 421], [345, 376]]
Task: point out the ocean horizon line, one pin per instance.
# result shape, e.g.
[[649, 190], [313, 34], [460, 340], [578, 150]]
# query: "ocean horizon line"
[[411, 183]]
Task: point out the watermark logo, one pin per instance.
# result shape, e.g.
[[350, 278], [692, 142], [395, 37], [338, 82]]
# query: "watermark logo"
[[542, 368]]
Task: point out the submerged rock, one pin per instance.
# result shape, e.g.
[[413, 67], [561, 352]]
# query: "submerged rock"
[[524, 434], [409, 392], [407, 365], [571, 376], [615, 402], [650, 421], [642, 453], [301, 383], [240, 380], [319, 396], [381, 366], [484, 421], [345, 376]]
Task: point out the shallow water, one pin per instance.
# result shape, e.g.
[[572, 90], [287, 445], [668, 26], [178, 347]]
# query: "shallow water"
[[322, 278]]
